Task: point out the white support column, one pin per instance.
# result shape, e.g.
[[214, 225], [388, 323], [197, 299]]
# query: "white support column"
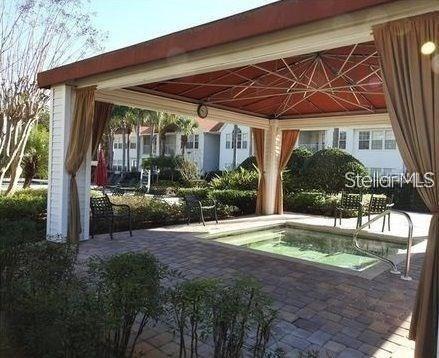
[[62, 102], [272, 153]]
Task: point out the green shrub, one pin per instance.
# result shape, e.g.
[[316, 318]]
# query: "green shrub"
[[249, 163], [239, 179], [128, 286], [188, 171], [196, 191], [244, 200], [310, 202], [325, 170], [237, 318], [147, 212], [298, 159], [25, 204]]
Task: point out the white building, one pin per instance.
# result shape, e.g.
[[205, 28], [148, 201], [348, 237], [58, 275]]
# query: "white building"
[[202, 146], [227, 150], [375, 147]]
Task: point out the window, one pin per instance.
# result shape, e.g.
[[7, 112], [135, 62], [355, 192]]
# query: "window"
[[228, 141], [389, 140], [244, 141], [115, 145], [132, 145], [342, 140], [363, 139], [193, 141], [377, 140], [119, 145]]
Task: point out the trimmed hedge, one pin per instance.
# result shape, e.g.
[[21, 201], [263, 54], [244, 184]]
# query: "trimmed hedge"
[[311, 203], [325, 170], [199, 192], [243, 200]]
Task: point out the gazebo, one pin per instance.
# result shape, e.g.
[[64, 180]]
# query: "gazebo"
[[280, 68]]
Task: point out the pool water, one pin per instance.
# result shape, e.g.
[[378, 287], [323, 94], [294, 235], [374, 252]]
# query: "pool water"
[[325, 248]]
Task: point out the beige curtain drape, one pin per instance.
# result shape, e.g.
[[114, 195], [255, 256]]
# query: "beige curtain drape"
[[289, 139], [80, 137], [259, 144], [411, 86], [102, 114]]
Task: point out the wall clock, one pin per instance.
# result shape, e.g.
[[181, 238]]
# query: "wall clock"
[[202, 111]]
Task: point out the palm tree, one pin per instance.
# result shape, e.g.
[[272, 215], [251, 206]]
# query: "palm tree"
[[165, 121], [126, 116], [186, 126]]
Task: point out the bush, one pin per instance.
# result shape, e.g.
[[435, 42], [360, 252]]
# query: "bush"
[[243, 200], [199, 192], [24, 204], [249, 163], [310, 202], [188, 171], [236, 317], [325, 170], [298, 159], [239, 179], [128, 286]]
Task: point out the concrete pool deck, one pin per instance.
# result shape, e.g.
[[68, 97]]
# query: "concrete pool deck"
[[321, 309]]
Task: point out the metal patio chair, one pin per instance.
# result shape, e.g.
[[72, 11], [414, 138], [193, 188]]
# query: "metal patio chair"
[[102, 209], [195, 207], [348, 202], [377, 205]]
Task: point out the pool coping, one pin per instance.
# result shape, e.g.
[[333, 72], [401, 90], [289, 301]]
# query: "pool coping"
[[368, 273]]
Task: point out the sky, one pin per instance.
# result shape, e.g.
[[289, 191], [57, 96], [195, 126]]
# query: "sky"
[[131, 21]]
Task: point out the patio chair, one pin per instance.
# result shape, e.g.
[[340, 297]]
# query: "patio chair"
[[377, 205], [195, 207], [348, 202], [102, 209]]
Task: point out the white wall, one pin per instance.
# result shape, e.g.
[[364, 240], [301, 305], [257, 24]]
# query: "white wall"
[[388, 159], [211, 152], [226, 155]]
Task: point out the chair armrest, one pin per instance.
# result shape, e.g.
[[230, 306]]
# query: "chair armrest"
[[388, 206], [208, 204]]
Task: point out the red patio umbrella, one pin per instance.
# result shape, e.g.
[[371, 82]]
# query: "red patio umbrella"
[[101, 170]]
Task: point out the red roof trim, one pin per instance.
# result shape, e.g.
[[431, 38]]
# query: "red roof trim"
[[269, 18]]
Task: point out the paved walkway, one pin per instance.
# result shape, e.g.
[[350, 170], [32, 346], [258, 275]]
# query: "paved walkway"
[[333, 312]]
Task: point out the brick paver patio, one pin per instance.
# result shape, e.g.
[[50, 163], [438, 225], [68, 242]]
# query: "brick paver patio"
[[334, 312]]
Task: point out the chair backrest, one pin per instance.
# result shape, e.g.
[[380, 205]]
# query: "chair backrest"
[[116, 191], [191, 199], [378, 204], [351, 201], [101, 206]]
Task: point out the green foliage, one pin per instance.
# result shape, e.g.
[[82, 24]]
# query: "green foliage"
[[325, 170], [243, 200], [298, 159], [29, 204], [161, 162], [35, 161], [226, 314], [188, 171], [310, 202], [239, 179], [128, 286], [199, 192], [249, 163]]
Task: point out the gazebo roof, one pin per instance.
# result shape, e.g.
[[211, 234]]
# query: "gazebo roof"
[[263, 20]]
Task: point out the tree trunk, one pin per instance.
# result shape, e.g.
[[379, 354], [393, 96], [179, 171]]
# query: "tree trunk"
[[151, 141], [128, 153], [124, 143], [138, 146], [162, 144], [15, 171], [110, 150]]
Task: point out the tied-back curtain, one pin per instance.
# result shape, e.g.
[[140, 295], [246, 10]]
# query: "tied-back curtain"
[[101, 117], [289, 139], [411, 87], [80, 137], [259, 142]]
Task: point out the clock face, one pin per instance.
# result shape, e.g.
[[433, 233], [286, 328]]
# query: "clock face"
[[202, 111]]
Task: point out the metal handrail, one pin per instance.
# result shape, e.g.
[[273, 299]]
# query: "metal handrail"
[[384, 259]]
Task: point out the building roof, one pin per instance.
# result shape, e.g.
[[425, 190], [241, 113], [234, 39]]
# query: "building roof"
[[270, 18]]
